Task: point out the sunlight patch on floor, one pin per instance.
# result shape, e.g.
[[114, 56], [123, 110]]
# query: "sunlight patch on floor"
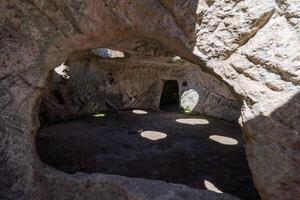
[[211, 187], [223, 140], [153, 135], [99, 115], [192, 121], [140, 112]]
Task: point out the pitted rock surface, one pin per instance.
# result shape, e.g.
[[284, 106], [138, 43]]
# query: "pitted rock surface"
[[252, 46]]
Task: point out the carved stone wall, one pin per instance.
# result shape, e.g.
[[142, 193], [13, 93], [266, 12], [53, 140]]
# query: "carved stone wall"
[[93, 85]]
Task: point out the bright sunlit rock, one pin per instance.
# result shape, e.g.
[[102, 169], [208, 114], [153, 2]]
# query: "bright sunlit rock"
[[192, 121], [176, 59], [62, 70], [153, 135], [140, 112], [211, 187], [223, 140]]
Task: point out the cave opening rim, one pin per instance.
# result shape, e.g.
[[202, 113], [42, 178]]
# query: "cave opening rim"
[[35, 122]]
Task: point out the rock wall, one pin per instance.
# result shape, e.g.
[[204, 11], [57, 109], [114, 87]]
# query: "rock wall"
[[93, 85], [254, 46], [251, 45]]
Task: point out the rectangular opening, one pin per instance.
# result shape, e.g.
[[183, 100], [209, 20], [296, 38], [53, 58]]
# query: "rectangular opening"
[[169, 100]]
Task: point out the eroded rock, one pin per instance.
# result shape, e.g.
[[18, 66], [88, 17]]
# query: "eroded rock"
[[250, 45]]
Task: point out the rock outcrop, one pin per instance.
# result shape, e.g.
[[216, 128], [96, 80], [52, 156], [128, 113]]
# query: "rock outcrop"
[[159, 190], [252, 46]]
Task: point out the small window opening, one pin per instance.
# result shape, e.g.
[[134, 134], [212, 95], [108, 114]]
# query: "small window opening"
[[108, 53]]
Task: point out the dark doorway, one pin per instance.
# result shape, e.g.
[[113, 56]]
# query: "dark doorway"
[[170, 96]]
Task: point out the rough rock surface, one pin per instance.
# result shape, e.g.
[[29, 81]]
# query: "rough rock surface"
[[93, 85], [252, 45], [159, 190], [255, 48]]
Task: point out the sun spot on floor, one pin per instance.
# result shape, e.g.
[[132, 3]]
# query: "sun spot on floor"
[[192, 121], [139, 112], [99, 115], [211, 187], [223, 140], [153, 135]]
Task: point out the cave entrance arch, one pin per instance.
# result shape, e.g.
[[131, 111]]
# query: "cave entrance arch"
[[96, 144], [169, 100]]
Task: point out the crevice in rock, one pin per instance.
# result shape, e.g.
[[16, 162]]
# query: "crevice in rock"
[[256, 26], [282, 5], [285, 75], [210, 2]]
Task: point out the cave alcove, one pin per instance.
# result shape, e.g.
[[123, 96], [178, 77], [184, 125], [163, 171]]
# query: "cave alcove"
[[100, 114]]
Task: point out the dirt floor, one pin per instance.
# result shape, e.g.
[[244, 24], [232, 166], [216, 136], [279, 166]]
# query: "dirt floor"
[[193, 150]]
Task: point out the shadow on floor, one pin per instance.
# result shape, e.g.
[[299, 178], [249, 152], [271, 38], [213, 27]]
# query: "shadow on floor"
[[174, 108], [171, 147]]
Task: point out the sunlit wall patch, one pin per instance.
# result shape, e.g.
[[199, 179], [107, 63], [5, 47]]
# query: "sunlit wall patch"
[[189, 100]]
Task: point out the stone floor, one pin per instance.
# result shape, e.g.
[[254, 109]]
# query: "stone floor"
[[197, 151]]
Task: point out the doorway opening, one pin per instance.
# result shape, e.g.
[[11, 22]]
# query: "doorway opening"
[[169, 100]]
